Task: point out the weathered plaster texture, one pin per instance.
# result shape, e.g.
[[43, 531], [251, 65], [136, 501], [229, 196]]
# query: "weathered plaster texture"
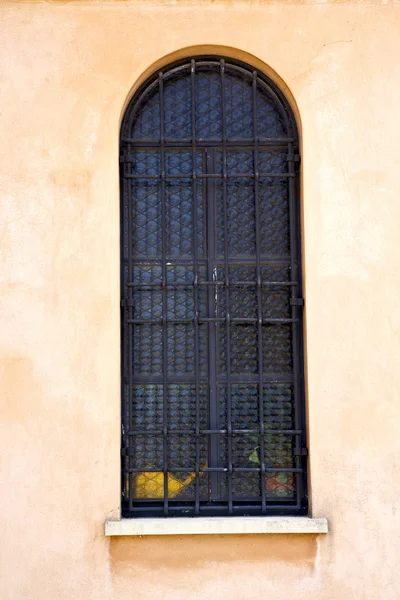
[[67, 71]]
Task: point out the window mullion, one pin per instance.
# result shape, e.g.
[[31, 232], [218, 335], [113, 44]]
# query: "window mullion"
[[195, 286], [128, 312], [164, 295], [296, 311], [212, 290], [259, 297], [226, 287]]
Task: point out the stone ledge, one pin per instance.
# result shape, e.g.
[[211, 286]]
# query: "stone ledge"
[[216, 525]]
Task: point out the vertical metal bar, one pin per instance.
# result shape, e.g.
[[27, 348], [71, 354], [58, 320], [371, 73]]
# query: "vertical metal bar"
[[295, 312], [128, 312], [227, 292], [164, 294], [195, 286], [259, 297], [211, 309]]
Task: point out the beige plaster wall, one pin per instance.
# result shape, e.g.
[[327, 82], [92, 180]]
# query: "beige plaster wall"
[[67, 70]]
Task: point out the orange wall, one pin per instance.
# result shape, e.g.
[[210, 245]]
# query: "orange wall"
[[67, 71]]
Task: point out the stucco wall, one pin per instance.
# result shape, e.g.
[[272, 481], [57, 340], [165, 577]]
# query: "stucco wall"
[[67, 71]]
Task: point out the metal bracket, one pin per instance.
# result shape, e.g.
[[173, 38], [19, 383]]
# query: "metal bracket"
[[126, 158], [296, 301], [126, 302], [126, 451], [293, 157], [301, 452]]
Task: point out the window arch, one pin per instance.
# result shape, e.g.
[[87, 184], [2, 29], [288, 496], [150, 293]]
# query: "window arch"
[[212, 337]]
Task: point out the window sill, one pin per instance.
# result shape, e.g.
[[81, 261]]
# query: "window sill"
[[216, 525]]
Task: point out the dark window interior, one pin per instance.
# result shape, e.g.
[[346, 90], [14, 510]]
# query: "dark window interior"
[[212, 350]]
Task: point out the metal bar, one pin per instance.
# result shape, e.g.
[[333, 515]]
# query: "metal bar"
[[195, 284], [237, 320], [295, 313], [207, 143], [129, 325], [212, 176], [237, 260], [214, 431], [211, 309], [259, 298], [164, 295], [227, 290], [268, 378], [219, 470], [219, 510], [217, 283]]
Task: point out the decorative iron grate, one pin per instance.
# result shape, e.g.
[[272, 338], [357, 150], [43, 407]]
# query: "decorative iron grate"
[[212, 369]]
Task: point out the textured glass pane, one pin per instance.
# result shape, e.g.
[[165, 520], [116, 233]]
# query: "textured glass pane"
[[146, 217], [180, 303], [243, 302], [241, 218], [147, 451], [270, 122], [280, 485], [277, 348], [147, 119], [272, 161], [244, 406], [274, 217], [181, 349], [238, 106], [177, 273], [243, 447], [177, 107], [146, 162], [244, 348], [275, 302], [182, 406], [240, 204], [239, 162], [208, 105], [147, 350], [147, 274], [275, 273], [178, 162], [147, 407], [148, 485], [246, 447], [179, 217], [180, 203], [246, 485], [147, 303]]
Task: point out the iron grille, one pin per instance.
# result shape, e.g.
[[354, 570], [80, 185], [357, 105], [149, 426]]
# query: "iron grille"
[[212, 368]]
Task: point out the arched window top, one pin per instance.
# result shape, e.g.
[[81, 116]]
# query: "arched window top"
[[228, 99], [213, 419]]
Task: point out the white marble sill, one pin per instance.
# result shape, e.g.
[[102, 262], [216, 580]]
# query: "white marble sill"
[[216, 525]]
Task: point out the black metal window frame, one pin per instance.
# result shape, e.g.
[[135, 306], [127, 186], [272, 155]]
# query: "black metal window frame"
[[213, 152]]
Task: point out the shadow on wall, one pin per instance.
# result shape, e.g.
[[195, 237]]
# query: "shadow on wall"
[[183, 552]]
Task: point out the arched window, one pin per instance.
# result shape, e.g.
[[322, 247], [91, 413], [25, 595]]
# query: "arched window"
[[212, 340]]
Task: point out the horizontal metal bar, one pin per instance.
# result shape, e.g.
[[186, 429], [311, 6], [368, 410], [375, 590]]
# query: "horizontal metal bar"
[[238, 321], [192, 431], [221, 379], [221, 509], [215, 283], [206, 143], [189, 177], [183, 260], [172, 469]]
